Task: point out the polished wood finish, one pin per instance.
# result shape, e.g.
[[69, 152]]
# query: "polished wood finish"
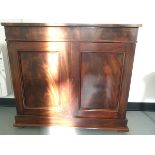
[[70, 25], [74, 34], [91, 123], [71, 74]]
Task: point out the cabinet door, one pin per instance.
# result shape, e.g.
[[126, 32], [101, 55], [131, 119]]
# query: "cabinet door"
[[40, 72], [100, 79]]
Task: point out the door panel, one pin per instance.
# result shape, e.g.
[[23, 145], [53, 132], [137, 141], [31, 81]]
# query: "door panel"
[[35, 67], [98, 78], [43, 70]]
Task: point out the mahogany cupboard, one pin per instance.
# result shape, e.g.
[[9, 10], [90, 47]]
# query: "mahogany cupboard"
[[71, 74]]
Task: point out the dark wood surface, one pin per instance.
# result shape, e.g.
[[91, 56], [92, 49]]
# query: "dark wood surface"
[[90, 123], [97, 70], [73, 75], [73, 34]]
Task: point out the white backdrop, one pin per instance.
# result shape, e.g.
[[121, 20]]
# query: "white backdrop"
[[98, 11]]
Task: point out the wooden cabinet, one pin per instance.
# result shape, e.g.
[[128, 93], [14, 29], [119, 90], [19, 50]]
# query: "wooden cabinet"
[[71, 74]]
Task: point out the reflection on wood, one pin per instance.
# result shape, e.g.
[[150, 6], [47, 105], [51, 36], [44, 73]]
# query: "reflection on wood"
[[46, 78], [100, 80], [52, 77], [35, 67]]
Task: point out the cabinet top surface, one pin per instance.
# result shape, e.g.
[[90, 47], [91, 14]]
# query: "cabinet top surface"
[[71, 25]]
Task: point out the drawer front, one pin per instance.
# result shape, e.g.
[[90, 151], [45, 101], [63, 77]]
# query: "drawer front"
[[95, 34]]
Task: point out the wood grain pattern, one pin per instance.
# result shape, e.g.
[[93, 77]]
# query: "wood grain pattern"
[[71, 74], [95, 34], [43, 71], [36, 66], [97, 70], [100, 79]]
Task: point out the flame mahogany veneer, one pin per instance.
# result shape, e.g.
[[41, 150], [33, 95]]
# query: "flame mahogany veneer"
[[71, 74]]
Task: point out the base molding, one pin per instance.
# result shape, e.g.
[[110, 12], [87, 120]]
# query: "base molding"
[[90, 123]]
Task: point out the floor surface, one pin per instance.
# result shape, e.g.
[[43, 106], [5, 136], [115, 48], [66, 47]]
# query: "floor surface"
[[139, 123]]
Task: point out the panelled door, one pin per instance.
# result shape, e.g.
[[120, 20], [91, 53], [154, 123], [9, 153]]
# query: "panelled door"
[[97, 78], [78, 79], [40, 73]]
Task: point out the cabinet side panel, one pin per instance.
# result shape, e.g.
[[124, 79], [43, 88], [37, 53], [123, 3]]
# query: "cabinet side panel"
[[16, 78], [128, 65]]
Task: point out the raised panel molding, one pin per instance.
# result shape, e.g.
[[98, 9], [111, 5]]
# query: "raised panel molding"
[[101, 75]]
